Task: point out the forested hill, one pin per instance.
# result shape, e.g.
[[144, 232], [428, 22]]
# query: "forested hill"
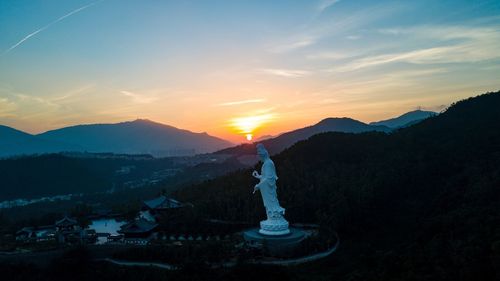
[[421, 203]]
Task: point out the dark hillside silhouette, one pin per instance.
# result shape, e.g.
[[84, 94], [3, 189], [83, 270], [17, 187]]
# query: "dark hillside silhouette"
[[421, 203]]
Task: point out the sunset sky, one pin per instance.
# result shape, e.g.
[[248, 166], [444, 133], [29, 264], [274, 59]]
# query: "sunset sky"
[[210, 66]]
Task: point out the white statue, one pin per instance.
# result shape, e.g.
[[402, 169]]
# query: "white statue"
[[275, 223]]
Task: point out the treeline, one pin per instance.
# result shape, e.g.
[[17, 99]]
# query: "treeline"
[[56, 174], [45, 175], [79, 179]]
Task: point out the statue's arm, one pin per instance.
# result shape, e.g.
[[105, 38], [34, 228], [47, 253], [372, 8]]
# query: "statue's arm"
[[256, 175], [262, 181], [257, 187]]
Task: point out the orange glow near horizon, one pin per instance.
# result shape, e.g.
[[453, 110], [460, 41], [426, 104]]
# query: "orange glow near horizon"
[[248, 125], [247, 75]]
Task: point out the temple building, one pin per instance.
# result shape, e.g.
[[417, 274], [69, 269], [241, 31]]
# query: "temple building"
[[139, 231], [160, 204], [65, 230], [66, 224], [68, 230], [36, 234], [154, 208]]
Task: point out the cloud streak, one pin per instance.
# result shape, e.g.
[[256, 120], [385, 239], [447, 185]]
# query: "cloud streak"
[[315, 31], [325, 4], [139, 98], [453, 44], [291, 73], [241, 102], [47, 26], [297, 44], [7, 108]]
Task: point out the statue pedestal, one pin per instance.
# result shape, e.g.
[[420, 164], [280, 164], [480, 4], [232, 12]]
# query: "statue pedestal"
[[274, 227], [275, 245]]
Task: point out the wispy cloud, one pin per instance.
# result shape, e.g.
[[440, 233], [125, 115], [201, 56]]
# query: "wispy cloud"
[[417, 56], [293, 45], [138, 98], [74, 92], [452, 44], [315, 31], [329, 56], [444, 32], [7, 108], [361, 89], [47, 26], [40, 100], [241, 102], [325, 4], [285, 72], [353, 37]]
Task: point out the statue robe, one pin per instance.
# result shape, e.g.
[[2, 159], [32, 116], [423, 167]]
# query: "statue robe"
[[267, 187]]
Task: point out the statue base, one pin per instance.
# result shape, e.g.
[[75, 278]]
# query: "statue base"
[[275, 245], [274, 227]]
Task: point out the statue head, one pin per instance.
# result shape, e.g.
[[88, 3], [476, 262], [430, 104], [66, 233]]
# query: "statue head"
[[262, 152]]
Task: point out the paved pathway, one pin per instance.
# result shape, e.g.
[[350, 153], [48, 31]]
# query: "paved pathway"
[[287, 262], [141, 264]]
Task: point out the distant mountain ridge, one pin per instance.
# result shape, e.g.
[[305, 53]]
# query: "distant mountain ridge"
[[406, 119], [143, 136], [15, 142], [139, 136], [134, 137], [285, 140], [343, 124]]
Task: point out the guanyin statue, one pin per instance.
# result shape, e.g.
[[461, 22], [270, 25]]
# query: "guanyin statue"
[[275, 224]]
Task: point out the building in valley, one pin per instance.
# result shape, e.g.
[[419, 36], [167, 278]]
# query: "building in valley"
[[36, 234], [65, 230], [161, 204], [138, 231]]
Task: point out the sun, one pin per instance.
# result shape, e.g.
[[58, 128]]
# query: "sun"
[[249, 124]]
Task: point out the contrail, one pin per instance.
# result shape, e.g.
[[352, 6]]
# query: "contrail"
[[48, 25]]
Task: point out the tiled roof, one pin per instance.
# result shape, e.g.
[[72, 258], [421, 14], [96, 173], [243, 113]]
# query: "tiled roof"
[[66, 222], [138, 226], [162, 202]]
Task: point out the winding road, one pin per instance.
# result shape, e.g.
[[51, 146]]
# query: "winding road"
[[286, 262], [141, 264]]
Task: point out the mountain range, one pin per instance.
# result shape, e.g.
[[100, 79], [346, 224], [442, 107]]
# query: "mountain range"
[[135, 137], [15, 142], [346, 125], [147, 137]]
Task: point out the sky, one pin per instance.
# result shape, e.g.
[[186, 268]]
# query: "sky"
[[236, 67]]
